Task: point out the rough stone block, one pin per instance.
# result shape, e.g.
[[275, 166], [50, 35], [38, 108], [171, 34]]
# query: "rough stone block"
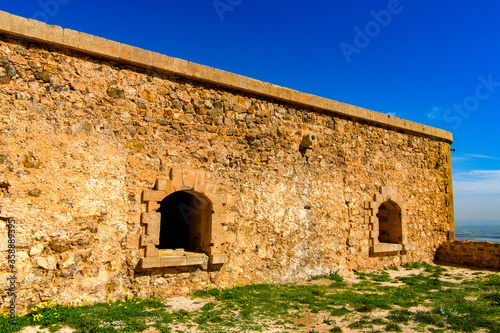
[[162, 61], [188, 178], [71, 38], [126, 53], [217, 76], [146, 240], [151, 251], [219, 208], [153, 228], [113, 48], [219, 198], [150, 262], [230, 218], [296, 96], [350, 110], [86, 42], [133, 241], [5, 21], [231, 79], [408, 247], [218, 219], [155, 239], [206, 73], [242, 82], [216, 259], [267, 88], [152, 206], [209, 188], [277, 91], [35, 29], [54, 34], [328, 104], [141, 56], [151, 217], [168, 186], [351, 242], [96, 45], [161, 184], [217, 228], [287, 93], [361, 113], [197, 259], [18, 25], [316, 101], [180, 66], [173, 260], [386, 247], [194, 69], [254, 85], [151, 195], [176, 177], [229, 200], [389, 191], [218, 238], [200, 181], [230, 238], [303, 98]]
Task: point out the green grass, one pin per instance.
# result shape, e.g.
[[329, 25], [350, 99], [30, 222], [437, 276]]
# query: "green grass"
[[465, 305], [381, 276]]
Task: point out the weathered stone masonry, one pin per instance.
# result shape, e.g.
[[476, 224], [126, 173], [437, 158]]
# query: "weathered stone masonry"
[[130, 172], [469, 253]]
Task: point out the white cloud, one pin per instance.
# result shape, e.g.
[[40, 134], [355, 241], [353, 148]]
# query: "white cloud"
[[393, 114], [481, 156], [459, 158], [477, 182], [468, 157]]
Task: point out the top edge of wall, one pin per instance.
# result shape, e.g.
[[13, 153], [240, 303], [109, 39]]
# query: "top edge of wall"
[[38, 31]]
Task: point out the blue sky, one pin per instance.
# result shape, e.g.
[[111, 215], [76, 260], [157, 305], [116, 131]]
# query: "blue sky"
[[431, 62]]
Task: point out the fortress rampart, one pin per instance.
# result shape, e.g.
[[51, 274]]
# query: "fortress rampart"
[[130, 172]]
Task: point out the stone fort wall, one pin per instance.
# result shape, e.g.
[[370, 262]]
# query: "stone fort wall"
[[101, 144], [469, 253]]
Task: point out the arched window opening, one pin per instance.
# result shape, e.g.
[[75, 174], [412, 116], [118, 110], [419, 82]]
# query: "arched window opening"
[[185, 222], [389, 220]]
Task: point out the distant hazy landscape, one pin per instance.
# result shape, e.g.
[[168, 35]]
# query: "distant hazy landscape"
[[488, 231]]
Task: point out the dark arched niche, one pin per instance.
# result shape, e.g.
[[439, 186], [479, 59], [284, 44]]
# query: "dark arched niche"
[[390, 226], [186, 219]]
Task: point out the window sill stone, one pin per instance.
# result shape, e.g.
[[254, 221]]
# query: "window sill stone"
[[177, 259], [386, 247]]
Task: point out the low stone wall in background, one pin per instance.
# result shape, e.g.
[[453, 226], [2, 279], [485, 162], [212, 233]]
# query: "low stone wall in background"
[[469, 253]]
